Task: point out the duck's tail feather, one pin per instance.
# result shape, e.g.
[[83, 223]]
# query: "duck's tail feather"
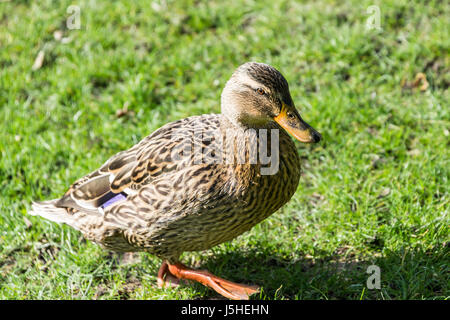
[[50, 211]]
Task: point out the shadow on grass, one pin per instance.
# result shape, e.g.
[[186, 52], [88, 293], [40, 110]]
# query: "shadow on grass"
[[406, 274]]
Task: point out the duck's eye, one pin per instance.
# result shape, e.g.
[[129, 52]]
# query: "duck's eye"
[[260, 91], [291, 115]]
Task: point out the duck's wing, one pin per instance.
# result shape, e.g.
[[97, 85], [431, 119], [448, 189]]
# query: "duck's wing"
[[130, 170]]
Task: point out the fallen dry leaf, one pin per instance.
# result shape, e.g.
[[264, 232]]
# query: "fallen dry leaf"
[[38, 61], [28, 223], [420, 81], [124, 111], [385, 192], [414, 152], [421, 78]]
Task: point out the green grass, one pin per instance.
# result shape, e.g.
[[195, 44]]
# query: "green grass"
[[375, 191]]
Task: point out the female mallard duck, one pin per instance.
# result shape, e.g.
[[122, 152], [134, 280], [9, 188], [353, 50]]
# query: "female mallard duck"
[[196, 182]]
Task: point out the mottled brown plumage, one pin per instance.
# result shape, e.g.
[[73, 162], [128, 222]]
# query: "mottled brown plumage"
[[194, 183]]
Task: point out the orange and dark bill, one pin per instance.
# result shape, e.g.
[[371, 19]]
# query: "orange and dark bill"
[[289, 119]]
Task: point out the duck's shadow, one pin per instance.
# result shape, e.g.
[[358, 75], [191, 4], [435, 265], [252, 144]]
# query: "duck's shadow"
[[330, 277]]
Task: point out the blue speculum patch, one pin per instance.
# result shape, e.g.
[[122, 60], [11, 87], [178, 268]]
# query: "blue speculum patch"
[[112, 198]]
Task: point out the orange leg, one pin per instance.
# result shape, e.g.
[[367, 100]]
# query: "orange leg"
[[165, 277], [228, 289]]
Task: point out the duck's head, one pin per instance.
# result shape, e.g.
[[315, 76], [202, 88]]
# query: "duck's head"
[[257, 95]]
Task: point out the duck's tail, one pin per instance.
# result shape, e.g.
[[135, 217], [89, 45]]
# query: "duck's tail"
[[50, 211]]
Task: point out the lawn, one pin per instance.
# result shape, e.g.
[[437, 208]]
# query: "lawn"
[[375, 191]]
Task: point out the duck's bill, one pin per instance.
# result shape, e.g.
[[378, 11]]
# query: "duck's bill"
[[290, 120]]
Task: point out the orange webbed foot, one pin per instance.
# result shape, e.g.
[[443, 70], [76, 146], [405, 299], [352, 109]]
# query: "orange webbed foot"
[[175, 272]]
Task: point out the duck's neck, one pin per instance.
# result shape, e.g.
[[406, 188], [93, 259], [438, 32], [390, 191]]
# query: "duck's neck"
[[232, 111]]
